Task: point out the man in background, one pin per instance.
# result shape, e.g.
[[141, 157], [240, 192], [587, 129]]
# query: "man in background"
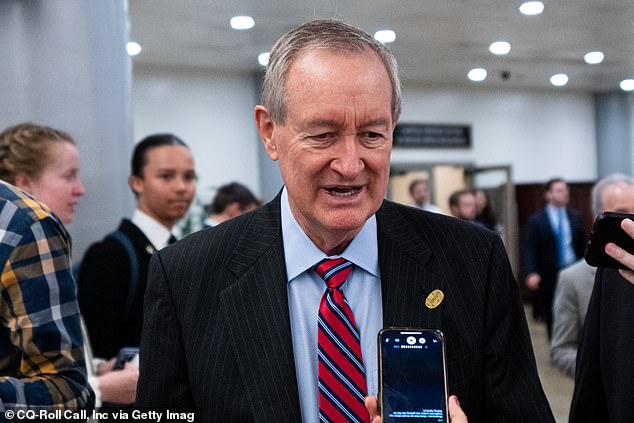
[[419, 191], [41, 355], [113, 272], [463, 205], [574, 286], [231, 200], [555, 239]]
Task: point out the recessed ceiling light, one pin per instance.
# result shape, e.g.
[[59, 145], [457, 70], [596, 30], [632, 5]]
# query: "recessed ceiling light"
[[500, 47], [133, 48], [559, 79], [531, 8], [594, 57], [385, 36], [477, 74], [627, 85], [263, 58], [242, 22]]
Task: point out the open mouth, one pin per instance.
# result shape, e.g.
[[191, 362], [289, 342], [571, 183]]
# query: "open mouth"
[[343, 192]]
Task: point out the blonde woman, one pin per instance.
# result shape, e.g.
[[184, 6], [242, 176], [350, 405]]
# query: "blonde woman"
[[44, 162]]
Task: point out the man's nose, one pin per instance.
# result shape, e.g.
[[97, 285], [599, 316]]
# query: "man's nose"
[[180, 183], [348, 161]]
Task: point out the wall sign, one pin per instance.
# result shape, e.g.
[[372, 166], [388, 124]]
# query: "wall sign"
[[436, 135]]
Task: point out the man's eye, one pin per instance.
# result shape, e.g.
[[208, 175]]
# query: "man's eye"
[[324, 136], [373, 135]]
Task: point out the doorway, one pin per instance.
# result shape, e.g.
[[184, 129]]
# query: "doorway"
[[444, 179]]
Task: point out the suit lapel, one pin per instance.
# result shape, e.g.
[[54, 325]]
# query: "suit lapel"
[[258, 319], [256, 305], [407, 272]]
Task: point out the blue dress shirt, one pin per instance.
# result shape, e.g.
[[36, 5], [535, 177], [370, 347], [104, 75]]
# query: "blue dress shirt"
[[305, 289], [569, 255]]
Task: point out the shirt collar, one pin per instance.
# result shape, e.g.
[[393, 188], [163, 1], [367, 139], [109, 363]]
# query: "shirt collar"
[[210, 222], [554, 209], [301, 254], [151, 228]]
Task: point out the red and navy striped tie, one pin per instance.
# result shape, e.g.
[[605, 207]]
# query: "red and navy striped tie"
[[342, 386]]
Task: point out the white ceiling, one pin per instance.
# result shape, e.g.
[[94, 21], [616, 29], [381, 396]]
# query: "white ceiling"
[[438, 41]]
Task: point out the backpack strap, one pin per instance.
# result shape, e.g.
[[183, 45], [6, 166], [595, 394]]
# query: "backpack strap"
[[133, 287]]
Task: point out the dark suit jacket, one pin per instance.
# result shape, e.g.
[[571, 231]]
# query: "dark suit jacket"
[[604, 378], [541, 244], [103, 283], [217, 337]]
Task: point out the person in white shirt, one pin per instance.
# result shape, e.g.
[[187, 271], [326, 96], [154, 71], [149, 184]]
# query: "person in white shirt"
[[113, 272], [419, 191]]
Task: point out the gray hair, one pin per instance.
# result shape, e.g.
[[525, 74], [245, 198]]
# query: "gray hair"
[[321, 34], [599, 187]]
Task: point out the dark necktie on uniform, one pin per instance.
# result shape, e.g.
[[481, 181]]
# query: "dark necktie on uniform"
[[172, 239], [342, 385]]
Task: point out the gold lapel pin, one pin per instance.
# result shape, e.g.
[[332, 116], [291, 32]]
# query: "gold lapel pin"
[[434, 299]]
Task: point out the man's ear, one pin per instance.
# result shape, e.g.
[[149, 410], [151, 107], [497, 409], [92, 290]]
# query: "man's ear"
[[265, 128], [136, 184]]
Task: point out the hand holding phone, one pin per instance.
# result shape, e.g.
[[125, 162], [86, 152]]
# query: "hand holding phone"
[[412, 375], [607, 228], [456, 415], [124, 355]]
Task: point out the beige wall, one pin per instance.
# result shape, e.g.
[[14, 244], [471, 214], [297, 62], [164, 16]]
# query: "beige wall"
[[445, 179]]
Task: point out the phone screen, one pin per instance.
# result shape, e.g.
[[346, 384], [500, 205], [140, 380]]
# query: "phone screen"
[[412, 376]]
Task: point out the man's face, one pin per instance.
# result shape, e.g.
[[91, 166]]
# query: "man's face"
[[619, 198], [334, 147], [466, 208], [558, 195], [168, 185], [419, 193]]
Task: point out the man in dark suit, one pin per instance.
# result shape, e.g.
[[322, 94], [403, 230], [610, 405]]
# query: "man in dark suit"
[[235, 315], [113, 272], [554, 239], [604, 378]]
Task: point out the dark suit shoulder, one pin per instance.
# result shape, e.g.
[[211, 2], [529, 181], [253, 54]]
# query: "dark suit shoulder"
[[435, 227], [538, 216], [574, 212], [232, 247], [215, 242], [110, 253], [136, 236], [107, 250]]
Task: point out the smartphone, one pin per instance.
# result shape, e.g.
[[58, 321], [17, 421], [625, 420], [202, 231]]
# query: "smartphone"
[[412, 375], [124, 355], [607, 228]]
